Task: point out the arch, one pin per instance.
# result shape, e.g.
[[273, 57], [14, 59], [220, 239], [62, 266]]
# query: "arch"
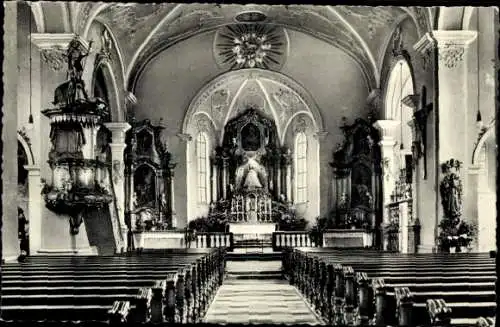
[[21, 138], [469, 14], [90, 18], [364, 45], [490, 130], [241, 76], [392, 85], [450, 18], [112, 88], [37, 11]]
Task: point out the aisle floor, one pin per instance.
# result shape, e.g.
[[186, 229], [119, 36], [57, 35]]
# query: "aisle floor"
[[259, 301]]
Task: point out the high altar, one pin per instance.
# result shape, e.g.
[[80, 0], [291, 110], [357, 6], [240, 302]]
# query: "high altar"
[[251, 175]]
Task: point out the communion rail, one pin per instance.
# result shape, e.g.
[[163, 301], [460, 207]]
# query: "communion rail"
[[291, 239]]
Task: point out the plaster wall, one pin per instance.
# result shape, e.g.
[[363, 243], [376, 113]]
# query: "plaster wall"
[[171, 80]]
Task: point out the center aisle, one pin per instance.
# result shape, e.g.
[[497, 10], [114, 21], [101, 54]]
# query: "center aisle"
[[258, 297]]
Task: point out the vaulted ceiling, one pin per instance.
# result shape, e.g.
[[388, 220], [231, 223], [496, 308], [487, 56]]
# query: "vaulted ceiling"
[[141, 30]]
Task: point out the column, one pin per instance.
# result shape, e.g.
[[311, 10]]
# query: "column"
[[215, 177], [173, 214], [34, 208], [225, 165], [118, 130], [387, 130], [9, 242], [288, 175], [475, 188]]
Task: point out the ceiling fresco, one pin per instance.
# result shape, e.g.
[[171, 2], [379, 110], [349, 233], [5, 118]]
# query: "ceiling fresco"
[[142, 30]]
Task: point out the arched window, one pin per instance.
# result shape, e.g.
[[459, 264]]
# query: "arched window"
[[202, 167], [300, 168]]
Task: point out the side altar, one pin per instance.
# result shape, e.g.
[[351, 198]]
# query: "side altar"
[[357, 207]]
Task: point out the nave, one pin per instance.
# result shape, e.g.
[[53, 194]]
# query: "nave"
[[297, 286]]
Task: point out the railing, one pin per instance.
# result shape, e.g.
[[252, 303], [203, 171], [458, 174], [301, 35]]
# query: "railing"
[[285, 239], [213, 240]]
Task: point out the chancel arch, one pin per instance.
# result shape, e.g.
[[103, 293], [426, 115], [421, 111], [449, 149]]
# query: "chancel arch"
[[484, 164], [251, 119]]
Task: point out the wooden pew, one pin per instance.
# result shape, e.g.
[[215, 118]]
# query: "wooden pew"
[[111, 279], [399, 269], [439, 312], [119, 312]]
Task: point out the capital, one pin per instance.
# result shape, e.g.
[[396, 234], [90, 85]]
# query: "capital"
[[387, 128], [387, 143], [474, 169], [320, 136], [131, 99], [425, 43], [452, 45], [118, 130], [53, 47], [33, 170], [185, 137], [117, 147]]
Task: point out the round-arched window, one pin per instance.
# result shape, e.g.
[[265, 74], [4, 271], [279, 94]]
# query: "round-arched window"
[[399, 86]]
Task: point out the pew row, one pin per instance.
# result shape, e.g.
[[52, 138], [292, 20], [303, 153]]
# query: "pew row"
[[169, 286], [361, 287]]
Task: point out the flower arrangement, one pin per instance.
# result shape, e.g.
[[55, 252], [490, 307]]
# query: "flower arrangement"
[[456, 233]]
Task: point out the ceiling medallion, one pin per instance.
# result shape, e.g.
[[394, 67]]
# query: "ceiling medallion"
[[250, 17], [250, 46]]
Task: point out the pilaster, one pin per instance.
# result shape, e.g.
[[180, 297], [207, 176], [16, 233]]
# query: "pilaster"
[[9, 243], [34, 208], [453, 48]]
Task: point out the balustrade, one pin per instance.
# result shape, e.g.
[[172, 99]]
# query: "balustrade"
[[214, 240], [284, 239]]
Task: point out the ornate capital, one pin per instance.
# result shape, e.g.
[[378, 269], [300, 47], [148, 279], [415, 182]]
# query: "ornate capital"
[[53, 47], [118, 130], [387, 128], [320, 136], [425, 47], [425, 43], [452, 45], [185, 137]]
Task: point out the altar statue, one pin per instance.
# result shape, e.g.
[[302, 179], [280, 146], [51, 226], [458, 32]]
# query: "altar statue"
[[251, 175]]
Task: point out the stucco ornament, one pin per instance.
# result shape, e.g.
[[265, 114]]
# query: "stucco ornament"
[[451, 54], [219, 101], [250, 46], [55, 57]]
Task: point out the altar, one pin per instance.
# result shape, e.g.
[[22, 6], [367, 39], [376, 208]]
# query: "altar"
[[254, 229], [347, 238]]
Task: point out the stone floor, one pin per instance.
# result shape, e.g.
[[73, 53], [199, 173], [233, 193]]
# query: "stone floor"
[[258, 299]]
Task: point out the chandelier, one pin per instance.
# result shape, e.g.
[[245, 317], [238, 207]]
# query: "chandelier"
[[250, 49]]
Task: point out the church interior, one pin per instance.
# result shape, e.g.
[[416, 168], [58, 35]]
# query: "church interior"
[[231, 163]]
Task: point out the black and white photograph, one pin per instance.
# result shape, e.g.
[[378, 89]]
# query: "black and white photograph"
[[249, 164]]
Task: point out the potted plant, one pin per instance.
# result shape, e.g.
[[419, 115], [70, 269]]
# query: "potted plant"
[[456, 235]]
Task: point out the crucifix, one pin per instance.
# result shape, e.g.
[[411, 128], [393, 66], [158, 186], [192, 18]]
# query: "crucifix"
[[422, 109]]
